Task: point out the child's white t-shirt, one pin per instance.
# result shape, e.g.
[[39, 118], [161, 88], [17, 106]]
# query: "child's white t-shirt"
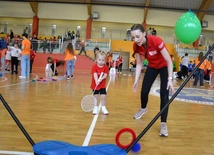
[[48, 67], [8, 56]]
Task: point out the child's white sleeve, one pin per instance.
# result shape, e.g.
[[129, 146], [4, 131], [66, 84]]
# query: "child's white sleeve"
[[47, 67]]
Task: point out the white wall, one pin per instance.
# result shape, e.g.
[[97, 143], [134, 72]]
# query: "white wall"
[[62, 26], [210, 20], [15, 24], [115, 19], [62, 11], [119, 14], [162, 18], [16, 9], [114, 30]]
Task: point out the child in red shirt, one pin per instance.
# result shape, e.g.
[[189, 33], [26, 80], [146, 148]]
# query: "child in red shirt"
[[109, 59], [54, 63], [32, 56], [120, 63], [96, 70]]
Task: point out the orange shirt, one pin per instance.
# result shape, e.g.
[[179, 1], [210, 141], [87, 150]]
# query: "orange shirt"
[[68, 55], [202, 66], [26, 49], [208, 65], [3, 52]]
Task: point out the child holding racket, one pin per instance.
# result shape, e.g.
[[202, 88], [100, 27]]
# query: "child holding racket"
[[98, 85]]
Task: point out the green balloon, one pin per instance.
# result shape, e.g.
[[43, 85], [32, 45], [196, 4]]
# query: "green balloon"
[[188, 28]]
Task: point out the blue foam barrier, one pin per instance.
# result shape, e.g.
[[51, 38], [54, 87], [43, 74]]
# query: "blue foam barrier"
[[53, 147]]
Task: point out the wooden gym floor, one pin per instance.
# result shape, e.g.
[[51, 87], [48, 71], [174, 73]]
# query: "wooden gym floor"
[[51, 111]]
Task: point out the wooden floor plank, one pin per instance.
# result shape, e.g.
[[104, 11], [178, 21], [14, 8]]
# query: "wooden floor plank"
[[51, 110]]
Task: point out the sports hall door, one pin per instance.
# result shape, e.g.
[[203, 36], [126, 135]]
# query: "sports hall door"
[[125, 56]]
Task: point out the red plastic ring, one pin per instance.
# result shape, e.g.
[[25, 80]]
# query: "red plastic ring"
[[117, 139]]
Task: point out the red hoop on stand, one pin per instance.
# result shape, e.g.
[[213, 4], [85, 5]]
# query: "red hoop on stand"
[[117, 138]]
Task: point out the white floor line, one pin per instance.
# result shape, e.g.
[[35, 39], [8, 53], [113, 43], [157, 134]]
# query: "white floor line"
[[15, 152], [93, 123], [5, 79], [4, 152], [87, 138], [9, 85]]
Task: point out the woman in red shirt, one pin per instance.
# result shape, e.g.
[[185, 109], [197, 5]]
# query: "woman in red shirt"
[[153, 49]]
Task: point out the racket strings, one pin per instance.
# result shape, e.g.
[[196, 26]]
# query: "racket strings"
[[88, 103]]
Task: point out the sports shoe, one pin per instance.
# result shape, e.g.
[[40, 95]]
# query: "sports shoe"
[[95, 110], [140, 113], [163, 130], [183, 78], [68, 78], [104, 110]]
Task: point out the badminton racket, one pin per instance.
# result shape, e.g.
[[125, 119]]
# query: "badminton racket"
[[89, 101]]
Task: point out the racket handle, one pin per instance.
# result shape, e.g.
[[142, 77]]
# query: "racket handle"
[[99, 79], [101, 75]]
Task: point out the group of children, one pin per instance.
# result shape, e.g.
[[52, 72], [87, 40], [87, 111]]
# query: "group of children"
[[98, 84], [70, 59], [187, 66], [11, 59], [117, 64]]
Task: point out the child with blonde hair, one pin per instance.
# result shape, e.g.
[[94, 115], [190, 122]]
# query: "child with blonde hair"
[[97, 69]]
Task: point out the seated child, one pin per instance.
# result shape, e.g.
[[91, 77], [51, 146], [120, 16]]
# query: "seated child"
[[53, 64]]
